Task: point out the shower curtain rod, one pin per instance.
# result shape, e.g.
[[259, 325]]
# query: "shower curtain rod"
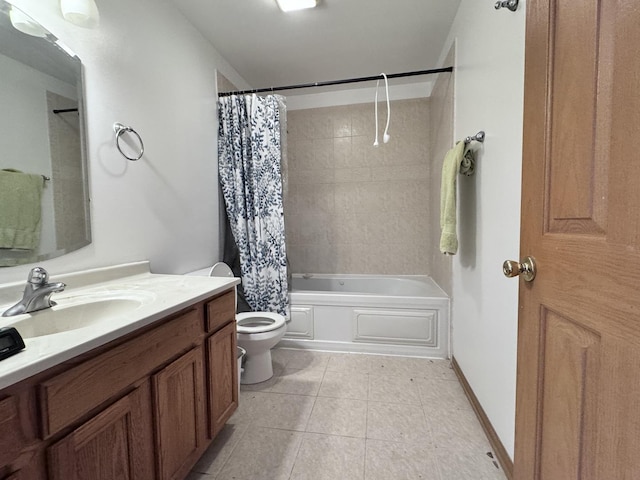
[[338, 82], [64, 110]]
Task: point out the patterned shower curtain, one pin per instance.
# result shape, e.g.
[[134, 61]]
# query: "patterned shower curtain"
[[250, 167]]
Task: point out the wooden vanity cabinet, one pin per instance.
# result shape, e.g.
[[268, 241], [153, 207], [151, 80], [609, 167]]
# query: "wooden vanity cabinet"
[[19, 433], [223, 377], [16, 476], [180, 421], [145, 406], [115, 444], [19, 475], [12, 436]]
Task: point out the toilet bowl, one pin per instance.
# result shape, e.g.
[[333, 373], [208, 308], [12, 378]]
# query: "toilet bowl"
[[258, 333]]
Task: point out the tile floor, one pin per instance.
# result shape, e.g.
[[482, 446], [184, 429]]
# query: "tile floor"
[[339, 416]]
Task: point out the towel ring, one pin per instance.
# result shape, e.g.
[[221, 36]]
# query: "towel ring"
[[120, 129]]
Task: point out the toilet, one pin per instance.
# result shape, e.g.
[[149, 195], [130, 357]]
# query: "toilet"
[[258, 333]]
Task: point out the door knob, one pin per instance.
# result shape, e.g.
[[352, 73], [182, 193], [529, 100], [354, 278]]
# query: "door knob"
[[527, 268]]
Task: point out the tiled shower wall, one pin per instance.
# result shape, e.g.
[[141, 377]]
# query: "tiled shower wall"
[[353, 207], [67, 175], [441, 115]]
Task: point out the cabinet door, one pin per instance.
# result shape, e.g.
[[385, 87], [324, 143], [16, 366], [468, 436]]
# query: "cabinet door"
[[117, 444], [21, 475], [223, 377], [179, 415], [12, 440]]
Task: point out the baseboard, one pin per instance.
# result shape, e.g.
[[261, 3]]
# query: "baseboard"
[[501, 454]]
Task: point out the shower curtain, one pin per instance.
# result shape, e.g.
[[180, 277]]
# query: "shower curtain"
[[250, 164]]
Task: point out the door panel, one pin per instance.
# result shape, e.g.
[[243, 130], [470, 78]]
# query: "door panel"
[[579, 322], [569, 386], [572, 109]]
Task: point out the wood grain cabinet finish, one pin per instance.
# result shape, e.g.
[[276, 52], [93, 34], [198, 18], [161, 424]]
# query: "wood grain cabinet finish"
[[143, 407], [117, 444], [19, 475], [221, 311], [12, 438], [179, 415], [66, 397], [223, 377], [14, 476]]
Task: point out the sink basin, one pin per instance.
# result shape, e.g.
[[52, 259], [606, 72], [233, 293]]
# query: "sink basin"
[[80, 311]]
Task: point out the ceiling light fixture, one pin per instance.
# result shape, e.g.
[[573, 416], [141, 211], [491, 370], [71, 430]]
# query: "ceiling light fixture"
[[291, 5], [25, 24], [83, 13]]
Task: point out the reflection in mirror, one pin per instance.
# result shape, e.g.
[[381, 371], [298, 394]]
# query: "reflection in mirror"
[[44, 201]]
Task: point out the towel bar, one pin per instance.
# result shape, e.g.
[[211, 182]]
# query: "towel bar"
[[478, 137], [510, 4]]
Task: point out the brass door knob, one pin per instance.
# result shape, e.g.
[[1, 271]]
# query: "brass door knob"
[[527, 268]]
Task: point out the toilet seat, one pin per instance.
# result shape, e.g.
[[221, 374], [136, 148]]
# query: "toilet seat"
[[250, 322], [259, 322]]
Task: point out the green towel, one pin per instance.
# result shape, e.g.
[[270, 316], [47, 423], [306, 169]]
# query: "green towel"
[[450, 169], [468, 163], [20, 209]]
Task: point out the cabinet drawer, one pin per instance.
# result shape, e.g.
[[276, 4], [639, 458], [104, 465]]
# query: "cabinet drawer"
[[221, 311], [74, 393]]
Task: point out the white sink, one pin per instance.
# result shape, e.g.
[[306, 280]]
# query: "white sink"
[[81, 311]]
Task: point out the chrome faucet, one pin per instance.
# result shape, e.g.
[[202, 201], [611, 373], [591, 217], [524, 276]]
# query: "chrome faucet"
[[37, 293]]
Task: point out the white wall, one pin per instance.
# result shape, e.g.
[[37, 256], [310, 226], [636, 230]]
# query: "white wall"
[[147, 67], [488, 96]]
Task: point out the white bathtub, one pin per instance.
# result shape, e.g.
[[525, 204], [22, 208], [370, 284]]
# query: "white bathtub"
[[403, 315]]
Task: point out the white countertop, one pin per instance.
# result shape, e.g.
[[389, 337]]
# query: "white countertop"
[[162, 295]]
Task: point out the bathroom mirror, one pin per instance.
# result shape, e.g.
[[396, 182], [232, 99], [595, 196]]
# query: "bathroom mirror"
[[42, 134]]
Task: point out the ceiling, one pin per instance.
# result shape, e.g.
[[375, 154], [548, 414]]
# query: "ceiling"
[[338, 39]]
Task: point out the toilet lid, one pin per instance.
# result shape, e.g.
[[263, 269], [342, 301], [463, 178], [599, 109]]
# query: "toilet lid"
[[220, 269], [258, 322]]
